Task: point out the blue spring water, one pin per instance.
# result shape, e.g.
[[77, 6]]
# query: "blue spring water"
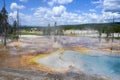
[[101, 65]]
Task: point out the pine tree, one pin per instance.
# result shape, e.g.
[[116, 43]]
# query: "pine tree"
[[4, 23]]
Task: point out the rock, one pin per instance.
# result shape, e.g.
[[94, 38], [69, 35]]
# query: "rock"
[[3, 78], [34, 75]]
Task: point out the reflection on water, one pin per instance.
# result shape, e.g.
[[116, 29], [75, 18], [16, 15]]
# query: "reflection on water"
[[101, 65]]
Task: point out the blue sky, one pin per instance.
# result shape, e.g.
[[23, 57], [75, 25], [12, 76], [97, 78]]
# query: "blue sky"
[[44, 12]]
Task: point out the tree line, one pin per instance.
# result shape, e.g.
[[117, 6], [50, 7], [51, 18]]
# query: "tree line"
[[7, 31]]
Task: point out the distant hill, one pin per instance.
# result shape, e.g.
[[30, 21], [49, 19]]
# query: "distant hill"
[[103, 27], [92, 26]]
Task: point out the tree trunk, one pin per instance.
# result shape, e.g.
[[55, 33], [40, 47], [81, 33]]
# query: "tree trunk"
[[112, 36], [118, 35], [100, 34], [5, 34]]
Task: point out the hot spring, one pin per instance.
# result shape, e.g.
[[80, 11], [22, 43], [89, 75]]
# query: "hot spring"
[[103, 65]]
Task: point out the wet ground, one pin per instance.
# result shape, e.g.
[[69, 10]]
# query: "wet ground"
[[10, 74], [20, 54]]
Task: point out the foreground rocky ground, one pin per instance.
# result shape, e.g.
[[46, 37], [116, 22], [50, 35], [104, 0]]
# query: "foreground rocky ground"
[[18, 54], [10, 74]]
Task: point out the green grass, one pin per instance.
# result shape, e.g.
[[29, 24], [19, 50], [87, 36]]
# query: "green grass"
[[117, 37], [29, 33]]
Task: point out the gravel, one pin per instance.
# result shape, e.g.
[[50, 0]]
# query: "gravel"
[[10, 74]]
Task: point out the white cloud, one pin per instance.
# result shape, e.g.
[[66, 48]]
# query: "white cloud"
[[110, 9], [108, 5], [64, 1], [111, 5], [97, 2], [23, 0], [58, 11], [43, 15], [41, 11], [15, 6], [109, 15], [52, 2], [92, 10], [12, 17]]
